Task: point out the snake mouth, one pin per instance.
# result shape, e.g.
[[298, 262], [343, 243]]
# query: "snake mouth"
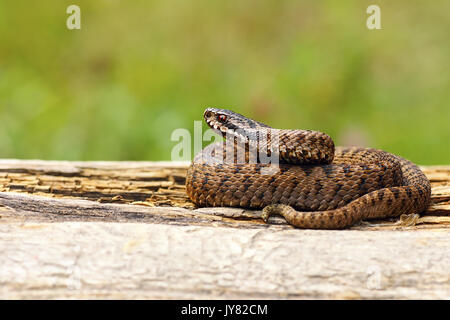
[[218, 129], [229, 124]]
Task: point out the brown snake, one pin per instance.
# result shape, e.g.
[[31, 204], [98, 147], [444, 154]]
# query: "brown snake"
[[315, 186]]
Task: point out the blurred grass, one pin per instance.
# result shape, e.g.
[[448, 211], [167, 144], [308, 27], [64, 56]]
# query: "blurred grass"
[[117, 88]]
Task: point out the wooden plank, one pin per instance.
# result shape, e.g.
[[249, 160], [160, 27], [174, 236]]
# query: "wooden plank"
[[161, 261], [127, 230]]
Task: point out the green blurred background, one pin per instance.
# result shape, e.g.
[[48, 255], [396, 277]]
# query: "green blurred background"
[[137, 70]]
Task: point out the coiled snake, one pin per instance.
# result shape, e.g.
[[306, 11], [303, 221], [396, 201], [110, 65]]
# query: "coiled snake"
[[315, 184]]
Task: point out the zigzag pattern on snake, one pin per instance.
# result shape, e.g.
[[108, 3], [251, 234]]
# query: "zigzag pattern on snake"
[[315, 185]]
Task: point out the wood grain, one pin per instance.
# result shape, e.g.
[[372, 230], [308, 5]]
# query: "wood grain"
[[127, 230]]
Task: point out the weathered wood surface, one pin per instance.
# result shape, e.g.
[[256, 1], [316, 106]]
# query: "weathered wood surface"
[[127, 230]]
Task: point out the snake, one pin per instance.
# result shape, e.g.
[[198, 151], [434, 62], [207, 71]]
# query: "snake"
[[308, 181]]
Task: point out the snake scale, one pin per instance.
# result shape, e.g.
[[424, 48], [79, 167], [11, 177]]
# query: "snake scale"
[[315, 185]]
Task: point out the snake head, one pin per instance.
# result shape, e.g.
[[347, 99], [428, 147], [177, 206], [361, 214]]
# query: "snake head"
[[217, 119], [225, 121]]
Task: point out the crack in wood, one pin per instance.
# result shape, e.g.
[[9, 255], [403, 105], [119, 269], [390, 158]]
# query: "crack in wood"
[[154, 185]]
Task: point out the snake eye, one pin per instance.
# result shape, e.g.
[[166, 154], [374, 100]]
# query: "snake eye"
[[221, 118]]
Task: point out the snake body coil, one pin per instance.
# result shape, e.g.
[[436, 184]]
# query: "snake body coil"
[[315, 184]]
